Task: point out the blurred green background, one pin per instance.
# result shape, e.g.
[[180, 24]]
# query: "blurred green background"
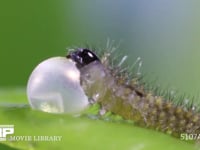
[[165, 34]]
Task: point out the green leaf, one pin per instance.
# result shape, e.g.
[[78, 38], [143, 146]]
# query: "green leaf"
[[77, 132]]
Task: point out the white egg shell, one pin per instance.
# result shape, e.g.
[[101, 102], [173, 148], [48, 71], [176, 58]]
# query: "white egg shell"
[[54, 86]]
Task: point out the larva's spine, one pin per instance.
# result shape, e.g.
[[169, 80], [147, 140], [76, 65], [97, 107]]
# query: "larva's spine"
[[124, 98]]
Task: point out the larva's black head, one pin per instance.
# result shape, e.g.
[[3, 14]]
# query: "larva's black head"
[[82, 57]]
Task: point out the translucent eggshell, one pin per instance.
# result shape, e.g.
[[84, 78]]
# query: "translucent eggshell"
[[54, 86]]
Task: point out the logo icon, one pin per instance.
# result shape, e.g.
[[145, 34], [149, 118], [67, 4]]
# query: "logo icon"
[[5, 130]]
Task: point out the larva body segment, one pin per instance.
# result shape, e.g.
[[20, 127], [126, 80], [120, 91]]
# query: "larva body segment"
[[117, 95]]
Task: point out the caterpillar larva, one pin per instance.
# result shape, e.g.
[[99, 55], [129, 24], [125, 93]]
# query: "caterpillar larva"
[[116, 92]]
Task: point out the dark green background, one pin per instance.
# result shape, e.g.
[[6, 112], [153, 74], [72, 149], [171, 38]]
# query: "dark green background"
[[165, 34]]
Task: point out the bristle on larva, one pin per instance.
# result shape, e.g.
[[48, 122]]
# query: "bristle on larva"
[[115, 92]]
